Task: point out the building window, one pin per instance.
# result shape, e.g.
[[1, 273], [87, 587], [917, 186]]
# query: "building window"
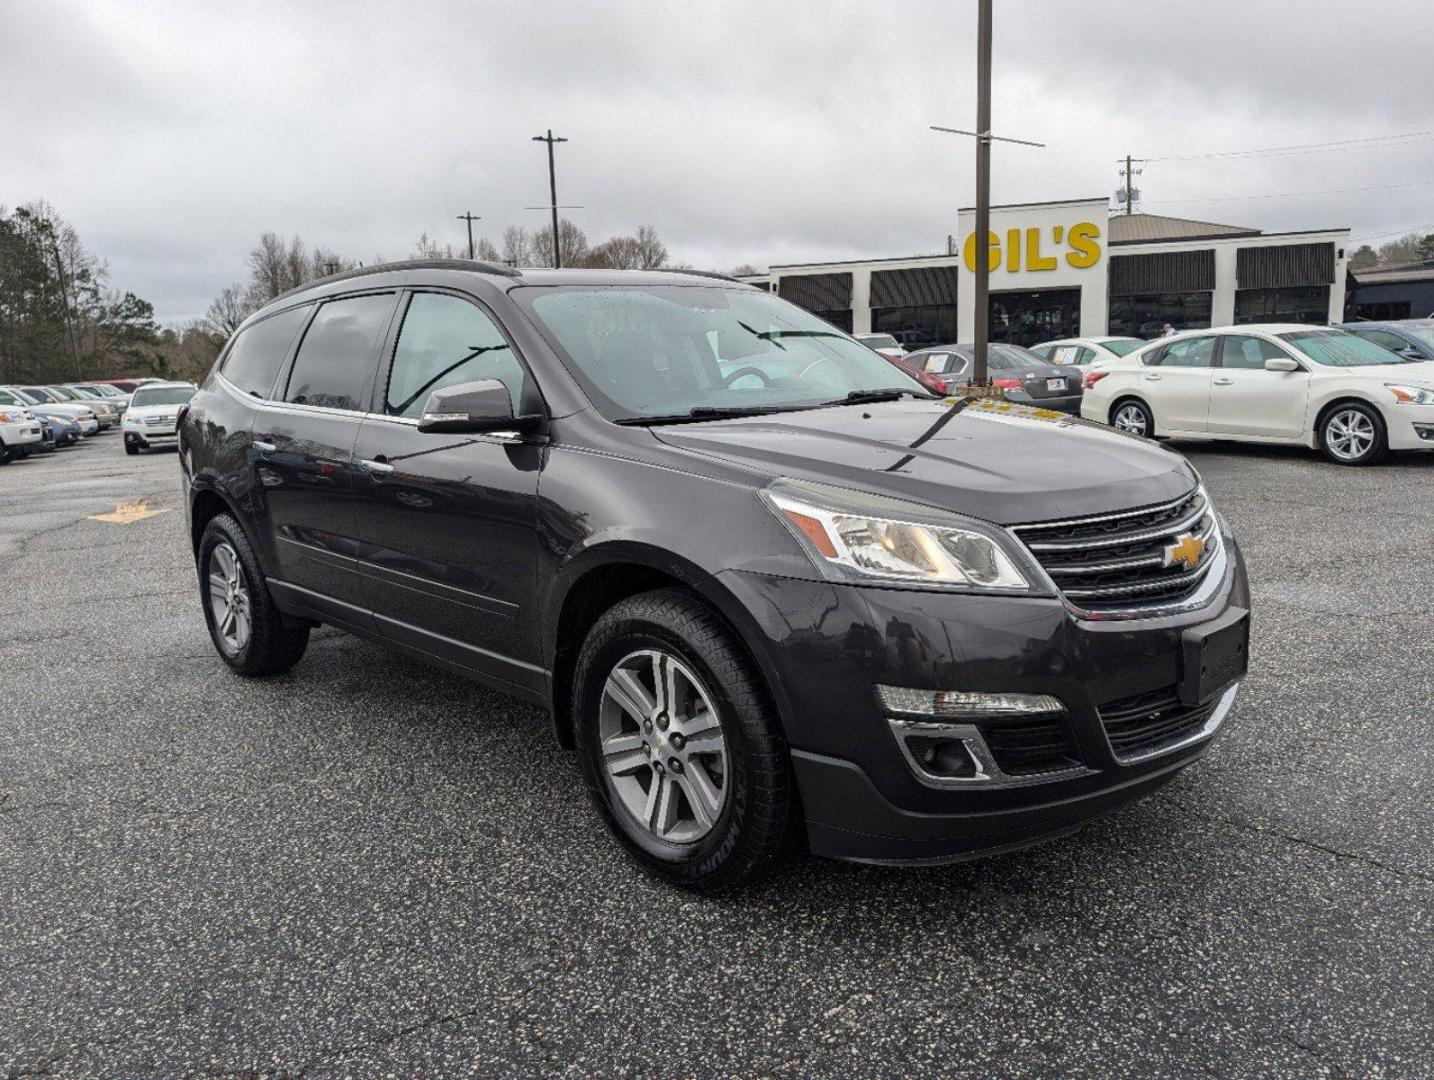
[[1145, 316], [840, 319], [1298, 304], [918, 326], [1381, 311]]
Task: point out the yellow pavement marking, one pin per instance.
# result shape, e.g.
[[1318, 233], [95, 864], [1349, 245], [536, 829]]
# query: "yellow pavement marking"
[[127, 513]]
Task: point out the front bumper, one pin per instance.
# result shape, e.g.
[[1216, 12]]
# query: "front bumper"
[[152, 436], [1070, 403], [1410, 427], [825, 646], [21, 433]]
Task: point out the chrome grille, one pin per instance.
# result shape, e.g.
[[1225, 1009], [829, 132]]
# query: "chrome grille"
[[1119, 562]]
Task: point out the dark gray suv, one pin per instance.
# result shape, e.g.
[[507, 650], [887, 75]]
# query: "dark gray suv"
[[768, 587]]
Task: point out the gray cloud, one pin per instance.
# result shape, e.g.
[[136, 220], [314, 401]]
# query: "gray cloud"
[[172, 134]]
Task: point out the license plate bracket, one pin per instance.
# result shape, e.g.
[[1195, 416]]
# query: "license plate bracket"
[[1215, 655], [1055, 384]]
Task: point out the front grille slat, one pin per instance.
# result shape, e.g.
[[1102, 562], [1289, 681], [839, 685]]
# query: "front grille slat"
[[1026, 747], [1118, 562], [1145, 723]]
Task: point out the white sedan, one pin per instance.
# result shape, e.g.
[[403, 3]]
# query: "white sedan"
[[1084, 353], [1313, 386]]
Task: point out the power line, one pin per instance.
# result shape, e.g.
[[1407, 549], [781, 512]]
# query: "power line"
[[1397, 232], [1294, 194], [1375, 142]]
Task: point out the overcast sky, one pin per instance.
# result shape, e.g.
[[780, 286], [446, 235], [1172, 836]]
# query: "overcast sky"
[[171, 135]]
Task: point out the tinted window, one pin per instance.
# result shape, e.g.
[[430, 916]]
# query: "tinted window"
[[1383, 337], [41, 395], [445, 341], [337, 353], [1240, 351], [1191, 352], [259, 350]]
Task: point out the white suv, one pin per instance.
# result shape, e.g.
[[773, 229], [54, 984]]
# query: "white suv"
[[1315, 386], [153, 415], [19, 430]]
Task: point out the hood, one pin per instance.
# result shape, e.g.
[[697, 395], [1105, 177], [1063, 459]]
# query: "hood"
[[70, 409], [992, 460]]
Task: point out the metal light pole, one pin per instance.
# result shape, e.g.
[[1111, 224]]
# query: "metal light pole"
[[550, 139], [469, 217], [984, 138]]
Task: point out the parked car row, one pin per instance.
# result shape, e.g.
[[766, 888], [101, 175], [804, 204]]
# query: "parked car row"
[[41, 418]]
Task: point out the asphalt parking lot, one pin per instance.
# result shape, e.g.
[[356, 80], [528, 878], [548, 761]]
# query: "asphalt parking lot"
[[369, 868]]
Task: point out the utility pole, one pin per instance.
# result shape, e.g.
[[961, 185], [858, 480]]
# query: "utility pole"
[[550, 139], [1128, 199], [981, 293], [984, 138], [469, 217], [1129, 192]]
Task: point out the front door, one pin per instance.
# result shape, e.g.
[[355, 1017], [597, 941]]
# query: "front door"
[[1245, 399], [1176, 382], [303, 451], [446, 523]]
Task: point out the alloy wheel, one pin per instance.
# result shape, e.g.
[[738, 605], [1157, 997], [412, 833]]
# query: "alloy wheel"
[[663, 746], [229, 598], [1131, 418], [1350, 434]]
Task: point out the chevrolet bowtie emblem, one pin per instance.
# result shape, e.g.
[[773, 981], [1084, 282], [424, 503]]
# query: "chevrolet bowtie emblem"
[[1187, 549]]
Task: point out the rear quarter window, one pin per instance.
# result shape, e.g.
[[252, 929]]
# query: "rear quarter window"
[[258, 351]]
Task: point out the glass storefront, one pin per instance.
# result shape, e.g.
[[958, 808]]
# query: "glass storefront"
[[917, 327], [1029, 318], [840, 319], [1145, 316], [1300, 304]]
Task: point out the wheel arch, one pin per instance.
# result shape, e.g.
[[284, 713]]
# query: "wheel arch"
[[610, 572], [1130, 395]]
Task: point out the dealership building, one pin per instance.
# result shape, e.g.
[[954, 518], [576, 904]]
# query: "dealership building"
[[1066, 269]]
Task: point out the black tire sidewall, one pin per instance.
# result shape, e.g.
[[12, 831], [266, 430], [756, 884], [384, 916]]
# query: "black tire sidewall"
[[1381, 438], [618, 639]]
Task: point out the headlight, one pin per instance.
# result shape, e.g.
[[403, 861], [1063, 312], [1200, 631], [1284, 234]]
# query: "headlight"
[[10, 418], [855, 536], [1411, 395]]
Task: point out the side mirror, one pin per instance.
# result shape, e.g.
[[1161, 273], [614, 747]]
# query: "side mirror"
[[1281, 363], [473, 407]]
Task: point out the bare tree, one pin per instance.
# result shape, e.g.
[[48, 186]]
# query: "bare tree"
[[653, 252], [572, 245], [745, 270], [230, 308], [428, 248], [275, 267], [517, 246], [485, 250], [325, 262], [619, 253]]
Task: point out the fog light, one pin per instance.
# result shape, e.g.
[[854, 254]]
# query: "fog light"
[[1425, 431], [943, 757], [965, 703]]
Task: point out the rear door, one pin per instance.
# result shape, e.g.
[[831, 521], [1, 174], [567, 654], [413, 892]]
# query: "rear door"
[[1245, 399], [1176, 382], [447, 523], [303, 452]]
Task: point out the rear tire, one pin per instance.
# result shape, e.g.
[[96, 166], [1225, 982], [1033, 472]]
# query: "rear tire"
[[1134, 416], [1353, 433], [725, 812], [247, 628]]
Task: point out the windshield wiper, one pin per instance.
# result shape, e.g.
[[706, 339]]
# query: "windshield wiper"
[[866, 397], [706, 412]]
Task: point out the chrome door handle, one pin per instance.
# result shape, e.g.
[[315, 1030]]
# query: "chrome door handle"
[[264, 447], [380, 468], [1224, 382], [1152, 378]]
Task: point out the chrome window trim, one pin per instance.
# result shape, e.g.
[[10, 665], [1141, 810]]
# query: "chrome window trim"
[[988, 773], [1207, 729]]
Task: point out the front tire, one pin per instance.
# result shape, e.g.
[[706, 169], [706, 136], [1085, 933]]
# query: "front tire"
[[1353, 434], [1134, 416], [681, 749], [247, 628], [130, 446]]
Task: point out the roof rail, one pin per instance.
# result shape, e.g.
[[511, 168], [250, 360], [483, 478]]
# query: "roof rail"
[[478, 266], [709, 274]]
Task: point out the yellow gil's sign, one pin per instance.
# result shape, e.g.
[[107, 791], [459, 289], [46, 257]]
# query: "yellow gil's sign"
[[127, 513], [1082, 241]]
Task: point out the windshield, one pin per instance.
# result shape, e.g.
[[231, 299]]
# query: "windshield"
[[879, 341], [40, 395], [1335, 348], [1422, 333], [86, 393], [63, 393], [163, 395], [667, 350], [1123, 346]]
